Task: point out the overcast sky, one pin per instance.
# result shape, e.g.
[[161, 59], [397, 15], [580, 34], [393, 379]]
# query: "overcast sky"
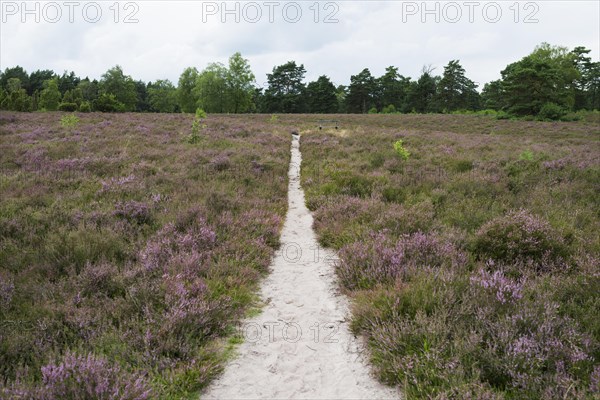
[[337, 38]]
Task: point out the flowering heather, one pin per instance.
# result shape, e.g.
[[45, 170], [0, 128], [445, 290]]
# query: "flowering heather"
[[556, 164], [78, 377], [7, 290], [484, 282], [220, 163], [34, 159], [133, 211], [595, 380], [521, 237], [117, 182], [504, 288], [170, 242], [363, 265], [123, 241]]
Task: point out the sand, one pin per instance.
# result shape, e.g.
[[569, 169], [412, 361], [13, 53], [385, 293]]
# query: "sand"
[[300, 346]]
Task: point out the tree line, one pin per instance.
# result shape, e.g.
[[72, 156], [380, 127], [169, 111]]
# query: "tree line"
[[550, 81]]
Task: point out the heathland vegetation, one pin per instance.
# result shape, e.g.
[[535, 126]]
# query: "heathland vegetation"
[[470, 247], [132, 244], [550, 83], [128, 251]]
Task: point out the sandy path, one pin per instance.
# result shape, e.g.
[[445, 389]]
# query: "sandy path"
[[300, 346]]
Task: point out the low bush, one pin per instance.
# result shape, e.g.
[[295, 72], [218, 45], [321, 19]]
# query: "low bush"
[[401, 150], [69, 121], [521, 238], [551, 111], [68, 107], [85, 107]]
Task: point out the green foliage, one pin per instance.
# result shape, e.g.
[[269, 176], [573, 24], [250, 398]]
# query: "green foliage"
[[455, 90], [200, 114], [286, 89], [211, 89], [85, 107], [15, 98], [221, 89], [88, 89], [68, 107], [503, 115], [15, 73], [114, 82], [37, 79], [393, 89], [551, 111], [239, 79], [372, 110], [360, 92], [393, 194], [197, 126], [492, 96], [273, 119], [69, 121], [108, 103], [462, 165], [321, 96], [376, 160], [422, 93], [67, 82], [548, 84], [348, 183], [544, 76], [389, 109], [50, 96], [526, 155], [185, 90], [401, 151], [587, 85], [162, 96]]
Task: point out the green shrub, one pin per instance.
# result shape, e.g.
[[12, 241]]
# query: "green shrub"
[[200, 113], [372, 110], [69, 121], [401, 150], [487, 112], [571, 117], [108, 103], [551, 111], [389, 109], [85, 107], [526, 155], [503, 115], [197, 126], [69, 107]]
